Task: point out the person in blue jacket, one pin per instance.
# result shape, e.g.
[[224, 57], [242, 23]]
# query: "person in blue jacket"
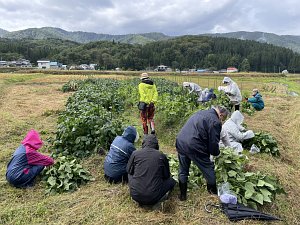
[[119, 153], [208, 95], [256, 101]]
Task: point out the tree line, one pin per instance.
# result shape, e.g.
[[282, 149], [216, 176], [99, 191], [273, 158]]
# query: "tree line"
[[182, 53]]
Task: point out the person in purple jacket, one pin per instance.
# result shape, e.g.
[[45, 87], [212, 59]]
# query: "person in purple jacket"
[[26, 162]]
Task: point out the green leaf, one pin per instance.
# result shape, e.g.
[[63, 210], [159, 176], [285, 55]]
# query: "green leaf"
[[264, 143], [248, 194], [232, 173], [260, 183], [51, 181], [258, 198], [249, 186], [270, 186]]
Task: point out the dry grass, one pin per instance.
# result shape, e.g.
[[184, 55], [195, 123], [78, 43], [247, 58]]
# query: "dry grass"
[[31, 102]]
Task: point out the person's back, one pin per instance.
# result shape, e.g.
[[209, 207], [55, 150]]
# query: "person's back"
[[18, 163], [148, 92], [149, 173], [257, 101], [26, 162], [200, 134], [236, 132], [119, 154]]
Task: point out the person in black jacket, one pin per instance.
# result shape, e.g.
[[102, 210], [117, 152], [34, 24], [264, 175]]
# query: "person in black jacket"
[[197, 140], [148, 171]]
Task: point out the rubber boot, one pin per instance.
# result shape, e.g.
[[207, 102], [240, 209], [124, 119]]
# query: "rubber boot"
[[212, 189], [183, 190]]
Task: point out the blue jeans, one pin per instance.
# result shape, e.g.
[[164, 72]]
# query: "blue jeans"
[[202, 162]]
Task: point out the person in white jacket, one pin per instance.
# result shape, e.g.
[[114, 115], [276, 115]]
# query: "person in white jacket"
[[236, 132], [232, 90], [194, 88]]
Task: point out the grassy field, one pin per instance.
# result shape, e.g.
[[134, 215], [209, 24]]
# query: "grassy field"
[[33, 100]]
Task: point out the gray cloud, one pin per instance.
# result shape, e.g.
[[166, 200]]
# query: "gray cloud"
[[172, 17]]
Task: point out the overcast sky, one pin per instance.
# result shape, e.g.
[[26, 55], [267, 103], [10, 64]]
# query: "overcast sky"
[[171, 17]]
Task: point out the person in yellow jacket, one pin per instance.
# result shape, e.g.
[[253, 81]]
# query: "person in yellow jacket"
[[148, 97]]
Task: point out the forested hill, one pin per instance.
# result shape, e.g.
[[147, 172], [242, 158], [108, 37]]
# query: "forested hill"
[[182, 53], [82, 37], [3, 32], [287, 41]]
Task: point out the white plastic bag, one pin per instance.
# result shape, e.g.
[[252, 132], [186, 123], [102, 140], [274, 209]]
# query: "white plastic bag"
[[254, 149], [225, 194]]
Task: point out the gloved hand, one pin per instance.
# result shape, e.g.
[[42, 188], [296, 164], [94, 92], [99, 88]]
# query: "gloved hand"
[[249, 134], [220, 88]]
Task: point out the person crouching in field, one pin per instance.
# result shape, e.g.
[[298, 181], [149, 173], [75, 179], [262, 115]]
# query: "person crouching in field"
[[148, 97], [26, 162], [256, 101], [119, 153], [232, 91], [149, 175], [236, 132]]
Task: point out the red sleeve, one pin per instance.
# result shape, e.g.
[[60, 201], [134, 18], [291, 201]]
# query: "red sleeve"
[[36, 158]]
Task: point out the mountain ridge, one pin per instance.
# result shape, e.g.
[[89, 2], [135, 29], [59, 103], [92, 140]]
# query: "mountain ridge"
[[287, 41], [83, 37]]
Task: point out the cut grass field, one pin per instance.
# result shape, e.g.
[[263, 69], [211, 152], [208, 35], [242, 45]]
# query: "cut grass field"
[[33, 100]]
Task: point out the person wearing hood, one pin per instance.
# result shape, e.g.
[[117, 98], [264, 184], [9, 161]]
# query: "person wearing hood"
[[208, 94], [148, 98], [232, 91], [197, 141], [149, 173], [256, 101], [26, 162], [193, 87], [119, 153], [236, 132]]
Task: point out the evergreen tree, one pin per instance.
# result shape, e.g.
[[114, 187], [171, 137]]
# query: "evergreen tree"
[[245, 65]]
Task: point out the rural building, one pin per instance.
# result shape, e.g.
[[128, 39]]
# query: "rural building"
[[3, 64], [232, 70], [43, 64], [161, 68], [55, 65]]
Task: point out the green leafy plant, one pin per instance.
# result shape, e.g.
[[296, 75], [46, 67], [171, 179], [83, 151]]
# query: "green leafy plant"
[[65, 175], [247, 108], [196, 179], [266, 142], [251, 188]]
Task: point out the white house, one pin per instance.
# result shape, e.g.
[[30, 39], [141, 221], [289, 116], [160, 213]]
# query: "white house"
[[43, 64], [232, 70], [162, 68], [3, 64]]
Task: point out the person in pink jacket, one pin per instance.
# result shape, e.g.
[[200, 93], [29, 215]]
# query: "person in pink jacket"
[[26, 162]]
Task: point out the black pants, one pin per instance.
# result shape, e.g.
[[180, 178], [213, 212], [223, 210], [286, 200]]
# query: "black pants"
[[167, 186], [111, 180], [236, 107], [202, 162]]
